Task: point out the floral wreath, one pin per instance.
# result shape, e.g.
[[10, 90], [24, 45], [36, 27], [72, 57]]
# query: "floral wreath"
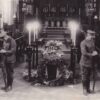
[[53, 50]]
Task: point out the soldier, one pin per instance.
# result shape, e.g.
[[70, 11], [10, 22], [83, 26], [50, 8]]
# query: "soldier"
[[88, 52], [9, 45]]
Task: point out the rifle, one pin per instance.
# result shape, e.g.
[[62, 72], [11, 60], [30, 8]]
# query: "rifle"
[[94, 75], [3, 69], [95, 61], [4, 75]]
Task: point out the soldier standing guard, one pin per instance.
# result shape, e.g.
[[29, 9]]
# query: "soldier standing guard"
[[88, 52], [9, 45]]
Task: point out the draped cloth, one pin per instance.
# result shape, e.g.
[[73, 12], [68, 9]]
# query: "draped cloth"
[[8, 9]]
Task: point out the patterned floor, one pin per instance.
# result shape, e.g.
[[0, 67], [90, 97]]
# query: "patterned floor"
[[24, 91]]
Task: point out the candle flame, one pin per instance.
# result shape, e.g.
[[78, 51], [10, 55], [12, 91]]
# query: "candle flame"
[[73, 26], [34, 27]]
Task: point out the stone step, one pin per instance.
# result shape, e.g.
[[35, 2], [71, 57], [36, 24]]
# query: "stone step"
[[55, 36], [60, 28], [54, 32], [60, 39]]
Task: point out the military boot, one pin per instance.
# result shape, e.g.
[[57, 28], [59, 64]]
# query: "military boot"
[[88, 88], [85, 92]]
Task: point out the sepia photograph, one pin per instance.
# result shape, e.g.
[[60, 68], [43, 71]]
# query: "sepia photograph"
[[49, 49]]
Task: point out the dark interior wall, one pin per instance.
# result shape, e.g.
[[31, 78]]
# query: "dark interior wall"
[[55, 2], [72, 6]]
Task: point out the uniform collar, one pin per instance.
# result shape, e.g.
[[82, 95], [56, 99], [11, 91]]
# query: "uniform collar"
[[89, 40]]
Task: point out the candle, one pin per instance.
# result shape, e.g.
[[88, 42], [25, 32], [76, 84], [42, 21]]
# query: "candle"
[[34, 35], [29, 37], [79, 11], [74, 27], [73, 37]]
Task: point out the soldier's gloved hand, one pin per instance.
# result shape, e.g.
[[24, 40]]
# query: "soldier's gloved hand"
[[95, 53], [2, 50]]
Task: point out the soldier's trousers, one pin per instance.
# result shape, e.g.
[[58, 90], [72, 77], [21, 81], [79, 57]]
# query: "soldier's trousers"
[[9, 72], [86, 74]]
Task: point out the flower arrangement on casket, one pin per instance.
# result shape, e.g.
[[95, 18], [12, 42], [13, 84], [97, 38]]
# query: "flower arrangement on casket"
[[53, 50]]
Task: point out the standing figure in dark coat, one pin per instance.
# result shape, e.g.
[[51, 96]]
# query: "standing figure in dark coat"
[[88, 52], [9, 46]]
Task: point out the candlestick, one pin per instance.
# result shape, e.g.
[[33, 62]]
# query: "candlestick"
[[29, 37]]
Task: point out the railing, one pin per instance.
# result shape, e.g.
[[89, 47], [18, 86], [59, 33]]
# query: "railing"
[[20, 48], [19, 38]]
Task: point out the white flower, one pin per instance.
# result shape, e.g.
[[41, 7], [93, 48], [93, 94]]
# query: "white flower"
[[53, 49]]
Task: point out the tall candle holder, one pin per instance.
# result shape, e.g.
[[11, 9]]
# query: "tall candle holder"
[[73, 62], [29, 48], [34, 27], [35, 54], [29, 51], [73, 27]]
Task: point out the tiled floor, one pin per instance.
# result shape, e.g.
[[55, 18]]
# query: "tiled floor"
[[24, 91]]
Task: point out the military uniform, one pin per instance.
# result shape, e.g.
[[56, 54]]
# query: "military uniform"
[[86, 62], [9, 45]]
